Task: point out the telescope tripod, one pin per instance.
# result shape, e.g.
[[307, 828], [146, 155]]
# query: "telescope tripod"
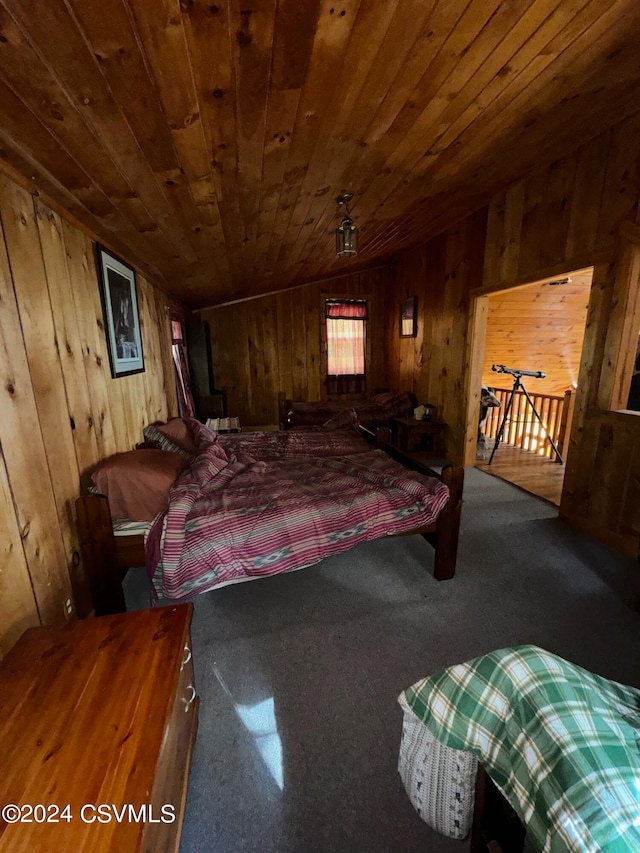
[[518, 386]]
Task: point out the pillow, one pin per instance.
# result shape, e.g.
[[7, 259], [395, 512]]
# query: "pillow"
[[177, 431], [174, 436], [137, 483]]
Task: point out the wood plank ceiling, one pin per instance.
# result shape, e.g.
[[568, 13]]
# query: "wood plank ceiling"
[[208, 141]]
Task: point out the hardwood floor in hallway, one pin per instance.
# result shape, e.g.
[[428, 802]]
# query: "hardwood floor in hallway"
[[542, 477]]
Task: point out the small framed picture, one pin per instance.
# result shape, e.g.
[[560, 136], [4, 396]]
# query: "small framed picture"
[[408, 318], [120, 309]]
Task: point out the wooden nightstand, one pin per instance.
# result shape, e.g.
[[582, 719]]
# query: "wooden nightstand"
[[414, 436], [99, 712]]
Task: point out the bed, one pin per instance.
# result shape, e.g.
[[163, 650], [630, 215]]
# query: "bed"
[[558, 742], [373, 410], [251, 506]]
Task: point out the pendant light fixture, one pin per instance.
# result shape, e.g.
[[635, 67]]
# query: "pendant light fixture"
[[346, 232]]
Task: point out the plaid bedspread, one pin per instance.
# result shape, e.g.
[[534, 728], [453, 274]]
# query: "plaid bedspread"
[[562, 744], [229, 520]]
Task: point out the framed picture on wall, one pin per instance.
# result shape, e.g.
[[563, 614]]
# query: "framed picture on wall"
[[119, 297], [408, 318]]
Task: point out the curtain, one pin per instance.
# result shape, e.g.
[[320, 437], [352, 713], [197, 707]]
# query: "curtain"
[[346, 310], [345, 346]]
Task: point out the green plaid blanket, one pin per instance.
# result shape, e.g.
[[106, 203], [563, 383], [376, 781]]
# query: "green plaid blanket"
[[562, 744]]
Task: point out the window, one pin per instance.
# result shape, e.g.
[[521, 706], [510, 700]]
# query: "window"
[[346, 345]]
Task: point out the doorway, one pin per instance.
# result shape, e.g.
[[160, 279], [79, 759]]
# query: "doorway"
[[530, 359]]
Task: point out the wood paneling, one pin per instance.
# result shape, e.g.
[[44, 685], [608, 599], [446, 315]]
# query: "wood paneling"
[[585, 199], [567, 216], [274, 343], [564, 217], [434, 364], [208, 142], [538, 327], [18, 608], [61, 410], [26, 462]]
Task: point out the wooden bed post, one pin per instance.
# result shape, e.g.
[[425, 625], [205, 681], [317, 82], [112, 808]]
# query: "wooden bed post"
[[99, 554], [443, 536], [382, 438], [284, 408], [448, 525]]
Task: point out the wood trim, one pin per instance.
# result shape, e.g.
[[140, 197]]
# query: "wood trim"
[[336, 277], [476, 340], [571, 267], [623, 327]]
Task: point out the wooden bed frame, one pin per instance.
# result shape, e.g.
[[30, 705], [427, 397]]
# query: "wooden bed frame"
[[285, 405], [496, 827], [107, 557]]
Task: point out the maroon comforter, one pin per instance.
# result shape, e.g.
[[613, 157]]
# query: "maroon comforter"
[[230, 520]]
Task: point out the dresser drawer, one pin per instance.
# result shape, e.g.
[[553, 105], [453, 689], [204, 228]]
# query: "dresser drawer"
[[108, 706], [172, 773]]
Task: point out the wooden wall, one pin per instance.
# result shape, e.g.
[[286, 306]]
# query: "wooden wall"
[[272, 344], [61, 410], [567, 216], [434, 364], [564, 217], [538, 327]]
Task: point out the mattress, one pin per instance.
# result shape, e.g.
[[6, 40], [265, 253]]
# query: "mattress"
[[126, 527]]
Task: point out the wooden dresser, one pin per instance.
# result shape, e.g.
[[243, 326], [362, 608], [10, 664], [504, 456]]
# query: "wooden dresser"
[[97, 723]]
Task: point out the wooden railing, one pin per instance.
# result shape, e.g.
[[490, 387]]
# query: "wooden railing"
[[522, 428]]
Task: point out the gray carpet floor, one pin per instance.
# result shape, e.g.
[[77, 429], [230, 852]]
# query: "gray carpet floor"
[[298, 675]]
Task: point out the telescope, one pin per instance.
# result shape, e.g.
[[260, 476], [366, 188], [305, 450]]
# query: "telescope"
[[500, 368], [518, 386]]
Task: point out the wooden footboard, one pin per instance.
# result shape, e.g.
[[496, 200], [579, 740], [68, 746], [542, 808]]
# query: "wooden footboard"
[[447, 532], [443, 536]]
